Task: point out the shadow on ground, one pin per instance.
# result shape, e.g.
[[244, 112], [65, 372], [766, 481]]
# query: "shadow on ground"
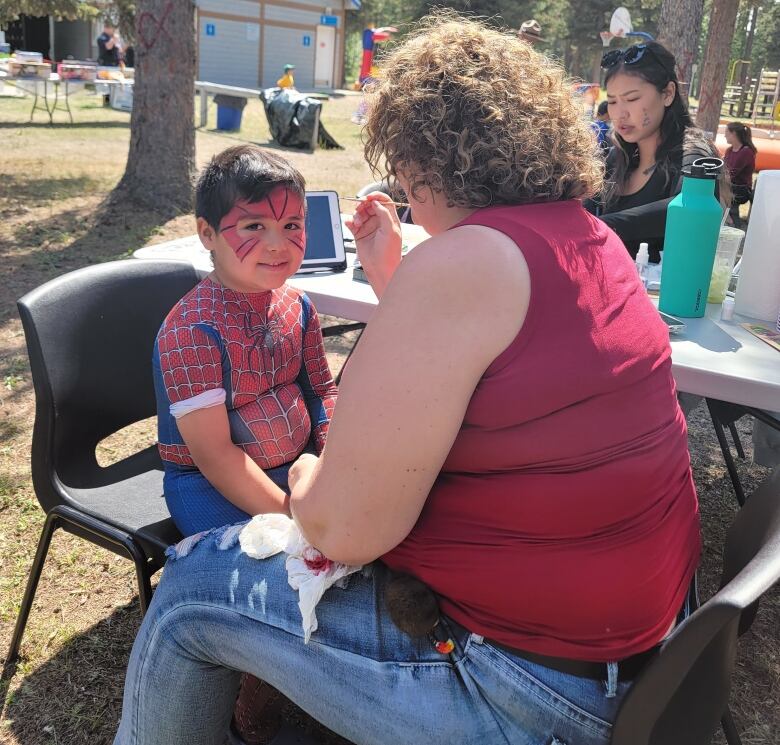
[[42, 190], [90, 233], [66, 125], [76, 696]]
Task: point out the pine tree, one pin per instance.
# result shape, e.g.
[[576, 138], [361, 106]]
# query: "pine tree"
[[161, 160], [723, 17], [69, 10], [678, 30]]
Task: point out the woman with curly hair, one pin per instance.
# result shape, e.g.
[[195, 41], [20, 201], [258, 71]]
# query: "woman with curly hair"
[[502, 434], [655, 139]]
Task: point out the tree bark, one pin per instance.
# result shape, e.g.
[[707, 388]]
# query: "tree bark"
[[161, 161], [744, 77], [678, 31], [715, 66]]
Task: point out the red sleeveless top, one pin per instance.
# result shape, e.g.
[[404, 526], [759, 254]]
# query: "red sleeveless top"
[[565, 520]]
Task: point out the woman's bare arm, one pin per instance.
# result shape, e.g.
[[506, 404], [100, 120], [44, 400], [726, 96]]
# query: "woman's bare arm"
[[452, 307]]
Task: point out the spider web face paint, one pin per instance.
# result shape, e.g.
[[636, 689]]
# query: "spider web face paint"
[[280, 206]]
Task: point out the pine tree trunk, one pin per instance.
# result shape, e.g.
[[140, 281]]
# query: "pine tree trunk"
[[744, 77], [161, 160], [678, 31], [715, 66]]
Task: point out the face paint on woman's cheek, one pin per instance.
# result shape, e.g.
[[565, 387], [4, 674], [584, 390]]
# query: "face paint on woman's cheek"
[[645, 118]]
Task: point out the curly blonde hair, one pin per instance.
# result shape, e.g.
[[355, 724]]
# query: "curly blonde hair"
[[478, 115]]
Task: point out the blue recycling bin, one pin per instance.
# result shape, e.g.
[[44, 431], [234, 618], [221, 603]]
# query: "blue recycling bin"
[[229, 111], [228, 119]]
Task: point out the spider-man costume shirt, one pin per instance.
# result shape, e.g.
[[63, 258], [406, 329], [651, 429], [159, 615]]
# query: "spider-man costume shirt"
[[260, 355]]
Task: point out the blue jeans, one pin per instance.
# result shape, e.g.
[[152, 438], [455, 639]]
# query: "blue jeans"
[[217, 612]]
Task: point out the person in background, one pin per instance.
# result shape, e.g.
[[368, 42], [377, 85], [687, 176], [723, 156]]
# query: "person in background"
[[128, 56], [499, 426], [740, 158], [287, 80], [531, 32], [601, 127], [654, 138], [109, 46]]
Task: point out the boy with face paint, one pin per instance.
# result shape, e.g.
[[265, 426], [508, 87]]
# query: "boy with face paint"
[[242, 382]]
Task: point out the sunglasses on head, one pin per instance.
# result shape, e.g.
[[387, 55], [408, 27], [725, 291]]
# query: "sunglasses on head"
[[629, 56]]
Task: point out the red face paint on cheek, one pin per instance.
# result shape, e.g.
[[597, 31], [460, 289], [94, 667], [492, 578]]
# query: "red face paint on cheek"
[[241, 244], [280, 205], [285, 204]]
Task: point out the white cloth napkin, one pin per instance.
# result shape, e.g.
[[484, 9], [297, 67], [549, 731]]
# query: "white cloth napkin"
[[308, 571]]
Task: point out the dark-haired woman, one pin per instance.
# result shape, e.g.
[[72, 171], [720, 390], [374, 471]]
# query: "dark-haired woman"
[[740, 159], [654, 140]]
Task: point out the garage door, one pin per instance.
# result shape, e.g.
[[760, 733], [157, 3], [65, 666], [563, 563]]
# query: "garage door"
[[288, 45], [229, 52]]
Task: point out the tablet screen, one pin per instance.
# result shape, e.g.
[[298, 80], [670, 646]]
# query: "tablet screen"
[[324, 239]]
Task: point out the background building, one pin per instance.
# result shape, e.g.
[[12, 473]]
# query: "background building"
[[54, 39], [248, 42], [239, 42]]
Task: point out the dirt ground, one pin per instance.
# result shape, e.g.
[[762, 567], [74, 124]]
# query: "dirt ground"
[[67, 687]]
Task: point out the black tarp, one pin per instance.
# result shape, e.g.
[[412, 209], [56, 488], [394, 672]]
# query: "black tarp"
[[292, 117]]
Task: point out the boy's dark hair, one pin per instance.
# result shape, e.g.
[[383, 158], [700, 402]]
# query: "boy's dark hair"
[[602, 109], [242, 172]]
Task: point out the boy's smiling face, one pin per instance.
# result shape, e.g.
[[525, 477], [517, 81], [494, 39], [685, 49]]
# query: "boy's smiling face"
[[259, 244]]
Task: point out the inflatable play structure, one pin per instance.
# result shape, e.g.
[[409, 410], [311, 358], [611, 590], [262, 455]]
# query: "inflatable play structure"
[[371, 37]]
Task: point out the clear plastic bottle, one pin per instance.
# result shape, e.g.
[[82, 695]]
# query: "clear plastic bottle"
[[642, 261], [727, 309]]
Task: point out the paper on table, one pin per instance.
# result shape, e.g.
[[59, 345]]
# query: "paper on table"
[[765, 334]]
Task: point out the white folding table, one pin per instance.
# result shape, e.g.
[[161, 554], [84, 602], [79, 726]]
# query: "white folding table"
[[711, 358]]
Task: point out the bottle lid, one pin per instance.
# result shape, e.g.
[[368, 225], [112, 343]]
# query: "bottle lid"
[[704, 168], [643, 254]]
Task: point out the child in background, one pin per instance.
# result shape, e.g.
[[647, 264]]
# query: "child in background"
[[740, 159], [287, 81], [242, 382], [601, 127]]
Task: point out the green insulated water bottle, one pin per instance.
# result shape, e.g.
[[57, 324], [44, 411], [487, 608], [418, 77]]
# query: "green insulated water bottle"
[[693, 221]]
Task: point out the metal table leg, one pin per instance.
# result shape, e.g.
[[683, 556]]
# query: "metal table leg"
[[57, 105], [40, 103], [724, 447]]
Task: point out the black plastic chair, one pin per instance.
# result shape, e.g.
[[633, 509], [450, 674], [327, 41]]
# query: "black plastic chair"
[[683, 693], [724, 414], [90, 335]]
